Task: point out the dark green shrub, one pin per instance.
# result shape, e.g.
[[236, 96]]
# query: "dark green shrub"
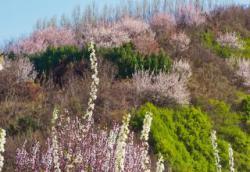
[[24, 125], [128, 60], [47, 61], [245, 107]]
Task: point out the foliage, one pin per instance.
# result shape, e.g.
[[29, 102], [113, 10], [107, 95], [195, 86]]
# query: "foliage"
[[225, 51], [24, 125], [128, 60], [245, 108], [228, 125], [181, 135], [47, 61]]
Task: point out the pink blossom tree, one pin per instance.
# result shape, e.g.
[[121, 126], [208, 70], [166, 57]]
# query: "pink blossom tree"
[[40, 40], [79, 149], [164, 21], [230, 39], [190, 14], [180, 41], [170, 85]]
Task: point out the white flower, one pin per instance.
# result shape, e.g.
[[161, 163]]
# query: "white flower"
[[94, 84], [216, 151], [55, 147], [146, 126], [144, 138], [2, 143], [230, 39], [121, 145], [231, 158], [160, 164]]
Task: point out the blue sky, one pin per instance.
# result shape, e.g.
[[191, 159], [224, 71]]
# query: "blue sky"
[[18, 17]]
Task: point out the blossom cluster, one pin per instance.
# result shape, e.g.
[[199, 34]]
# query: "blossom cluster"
[[171, 85], [242, 68], [79, 149], [2, 143], [231, 158], [215, 150], [104, 35], [94, 84], [230, 39], [164, 21], [114, 34], [1, 62], [54, 146], [40, 40], [121, 144], [160, 164], [190, 14], [144, 138], [180, 41], [22, 69]]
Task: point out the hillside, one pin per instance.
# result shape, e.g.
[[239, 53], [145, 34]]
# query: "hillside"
[[144, 90]]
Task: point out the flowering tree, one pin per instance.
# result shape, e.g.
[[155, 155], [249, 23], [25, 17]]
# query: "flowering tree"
[[165, 21], [132, 26], [104, 35], [22, 69], [180, 41], [189, 14], [242, 68], [172, 84], [115, 34], [230, 39], [146, 43], [39, 40], [81, 149]]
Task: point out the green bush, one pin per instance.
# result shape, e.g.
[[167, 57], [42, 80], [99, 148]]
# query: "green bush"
[[209, 41], [182, 136], [128, 60], [125, 57], [245, 107], [47, 61], [26, 124]]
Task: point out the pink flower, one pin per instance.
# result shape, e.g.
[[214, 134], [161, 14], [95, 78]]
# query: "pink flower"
[[40, 40]]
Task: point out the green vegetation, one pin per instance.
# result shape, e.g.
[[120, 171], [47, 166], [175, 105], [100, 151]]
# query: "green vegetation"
[[182, 135], [128, 60], [125, 57], [209, 41], [229, 126], [52, 57]]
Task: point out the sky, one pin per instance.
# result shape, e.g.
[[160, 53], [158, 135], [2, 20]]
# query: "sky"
[[18, 17]]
